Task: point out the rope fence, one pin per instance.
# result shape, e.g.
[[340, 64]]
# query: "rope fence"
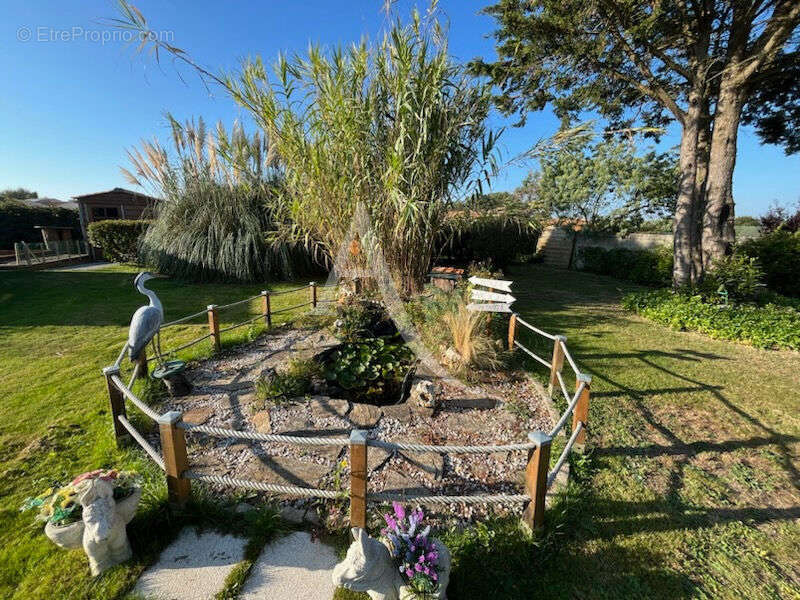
[[174, 456]]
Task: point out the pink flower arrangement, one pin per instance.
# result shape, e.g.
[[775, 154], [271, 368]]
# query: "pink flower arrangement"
[[413, 551]]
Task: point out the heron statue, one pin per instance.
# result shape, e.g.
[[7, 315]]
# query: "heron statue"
[[146, 321]]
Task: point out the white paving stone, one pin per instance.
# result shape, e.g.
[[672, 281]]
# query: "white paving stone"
[[193, 567], [292, 567]]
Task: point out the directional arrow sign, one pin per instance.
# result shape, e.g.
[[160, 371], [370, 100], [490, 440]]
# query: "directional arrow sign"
[[495, 307], [492, 296], [495, 284]]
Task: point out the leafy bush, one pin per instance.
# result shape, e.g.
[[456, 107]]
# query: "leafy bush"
[[768, 326], [359, 319], [291, 382], [778, 218], [19, 218], [118, 238], [648, 267], [371, 371], [740, 276], [778, 253], [495, 239]]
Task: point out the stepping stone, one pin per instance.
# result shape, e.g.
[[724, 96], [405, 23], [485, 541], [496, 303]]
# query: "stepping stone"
[[294, 566], [193, 567]]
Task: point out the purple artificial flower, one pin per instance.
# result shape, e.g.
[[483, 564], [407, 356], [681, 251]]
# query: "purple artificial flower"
[[399, 511], [409, 573], [418, 568]]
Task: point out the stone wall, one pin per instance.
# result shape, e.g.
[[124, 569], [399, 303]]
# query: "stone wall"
[[560, 246]]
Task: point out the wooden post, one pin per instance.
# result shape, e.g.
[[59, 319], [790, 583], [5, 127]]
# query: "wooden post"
[[313, 286], [117, 401], [512, 330], [556, 364], [173, 447], [265, 308], [581, 412], [357, 286], [358, 478], [536, 479], [213, 325]]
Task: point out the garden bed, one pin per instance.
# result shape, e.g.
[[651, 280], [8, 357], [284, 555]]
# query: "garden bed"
[[501, 408]]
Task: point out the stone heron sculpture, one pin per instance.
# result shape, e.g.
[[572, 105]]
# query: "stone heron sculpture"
[[146, 321], [368, 567]]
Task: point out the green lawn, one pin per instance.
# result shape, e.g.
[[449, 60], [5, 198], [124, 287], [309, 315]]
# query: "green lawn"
[[57, 331], [691, 490]]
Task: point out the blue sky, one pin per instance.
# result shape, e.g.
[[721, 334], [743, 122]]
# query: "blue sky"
[[73, 103]]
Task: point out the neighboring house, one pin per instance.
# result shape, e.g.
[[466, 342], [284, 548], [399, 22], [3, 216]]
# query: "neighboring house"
[[118, 203]]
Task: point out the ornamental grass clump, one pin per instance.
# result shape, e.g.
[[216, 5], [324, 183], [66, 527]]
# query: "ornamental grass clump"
[[412, 550]]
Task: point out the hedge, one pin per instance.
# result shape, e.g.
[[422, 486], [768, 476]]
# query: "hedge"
[[495, 239], [647, 267], [768, 326], [118, 238], [778, 254], [18, 219]]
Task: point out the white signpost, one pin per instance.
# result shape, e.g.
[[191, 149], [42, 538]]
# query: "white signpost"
[[496, 302]]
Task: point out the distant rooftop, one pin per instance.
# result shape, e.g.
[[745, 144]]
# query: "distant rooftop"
[[116, 190]]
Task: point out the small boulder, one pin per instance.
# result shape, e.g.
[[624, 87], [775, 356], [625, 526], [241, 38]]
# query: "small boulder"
[[365, 416]]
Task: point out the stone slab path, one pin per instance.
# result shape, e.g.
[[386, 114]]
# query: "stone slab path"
[[193, 567], [295, 566]]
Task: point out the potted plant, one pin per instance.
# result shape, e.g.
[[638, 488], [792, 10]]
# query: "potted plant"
[[91, 511]]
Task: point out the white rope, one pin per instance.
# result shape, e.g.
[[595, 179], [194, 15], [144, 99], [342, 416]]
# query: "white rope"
[[229, 327], [132, 397], [563, 385], [121, 354], [184, 319], [532, 355], [289, 490], [264, 437], [536, 329], [250, 299], [450, 449], [562, 421], [472, 499], [288, 291], [569, 358], [551, 476], [183, 347], [142, 442]]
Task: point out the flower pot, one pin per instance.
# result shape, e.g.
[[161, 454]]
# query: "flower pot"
[[71, 536]]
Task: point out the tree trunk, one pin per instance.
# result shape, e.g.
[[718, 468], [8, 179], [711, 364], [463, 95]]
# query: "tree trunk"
[[701, 178], [718, 231], [685, 209]]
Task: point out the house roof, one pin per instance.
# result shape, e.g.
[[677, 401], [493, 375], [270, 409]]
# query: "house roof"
[[116, 190]]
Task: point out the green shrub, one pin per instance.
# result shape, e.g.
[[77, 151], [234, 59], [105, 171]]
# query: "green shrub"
[[740, 276], [19, 218], [778, 253], [768, 326], [118, 238], [493, 239], [648, 267]]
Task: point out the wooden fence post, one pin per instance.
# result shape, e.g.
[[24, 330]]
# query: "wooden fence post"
[[173, 447], [313, 286], [557, 363], [581, 412], [117, 401], [266, 309], [213, 325], [512, 330], [358, 478], [536, 479]]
